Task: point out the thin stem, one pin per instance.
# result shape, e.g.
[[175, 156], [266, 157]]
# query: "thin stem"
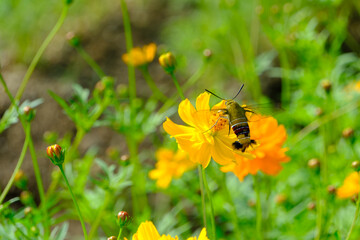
[[172, 74], [203, 204], [38, 181], [89, 60], [99, 216], [75, 202], [17, 167], [158, 94], [120, 231], [19, 229], [41, 50], [212, 214], [258, 207], [356, 214]]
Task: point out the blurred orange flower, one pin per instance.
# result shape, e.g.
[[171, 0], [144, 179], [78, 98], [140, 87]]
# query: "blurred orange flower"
[[140, 56], [350, 187], [170, 165], [147, 231], [269, 153], [207, 134]]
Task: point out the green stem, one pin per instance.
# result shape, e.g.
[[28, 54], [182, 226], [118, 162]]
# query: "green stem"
[[39, 182], [99, 216], [212, 214], [232, 211], [89, 60], [41, 50], [177, 85], [202, 189], [19, 229], [17, 167], [158, 94], [118, 238], [74, 200], [356, 214], [258, 207]]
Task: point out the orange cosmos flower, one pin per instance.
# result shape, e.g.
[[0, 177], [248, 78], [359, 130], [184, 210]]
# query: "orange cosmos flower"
[[170, 165], [350, 187], [147, 231], [140, 56], [207, 134], [269, 153]]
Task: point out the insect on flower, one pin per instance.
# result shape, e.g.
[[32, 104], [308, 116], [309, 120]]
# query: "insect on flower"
[[236, 114]]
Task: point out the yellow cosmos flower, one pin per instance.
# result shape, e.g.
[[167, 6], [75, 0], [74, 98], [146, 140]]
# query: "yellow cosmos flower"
[[147, 231], [140, 56], [207, 134], [170, 165], [350, 187], [269, 153]]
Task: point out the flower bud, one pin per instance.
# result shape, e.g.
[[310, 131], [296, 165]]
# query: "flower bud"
[[311, 206], [34, 230], [20, 180], [356, 165], [326, 85], [207, 53], [168, 62], [280, 198], [319, 112], [354, 198], [251, 203], [73, 39], [56, 154], [331, 189], [29, 113], [112, 238], [314, 163], [28, 211], [347, 132], [26, 198], [123, 218]]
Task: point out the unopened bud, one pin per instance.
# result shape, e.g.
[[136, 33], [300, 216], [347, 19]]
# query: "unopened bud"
[[112, 238], [29, 113], [314, 163], [168, 62], [280, 198], [56, 154], [251, 203], [347, 132], [311, 206], [356, 165], [28, 211], [21, 180], [26, 198], [326, 85], [275, 9], [319, 112], [73, 39], [354, 198], [123, 218], [207, 53], [331, 189], [34, 230]]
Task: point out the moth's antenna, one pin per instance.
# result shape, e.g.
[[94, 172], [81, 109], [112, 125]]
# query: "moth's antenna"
[[214, 94], [238, 92]]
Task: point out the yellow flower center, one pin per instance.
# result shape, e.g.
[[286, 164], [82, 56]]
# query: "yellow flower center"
[[218, 121]]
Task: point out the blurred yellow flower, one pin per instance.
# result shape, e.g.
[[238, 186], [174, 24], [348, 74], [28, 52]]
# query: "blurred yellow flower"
[[350, 187], [140, 56], [170, 165], [147, 231], [207, 134], [269, 153]]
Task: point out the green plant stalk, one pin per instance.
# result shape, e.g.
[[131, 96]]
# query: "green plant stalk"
[[258, 207], [177, 85], [74, 200], [212, 214], [355, 216], [158, 94], [39, 183], [99, 216], [17, 167], [203, 204], [232, 211], [120, 231], [40, 51], [90, 61]]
